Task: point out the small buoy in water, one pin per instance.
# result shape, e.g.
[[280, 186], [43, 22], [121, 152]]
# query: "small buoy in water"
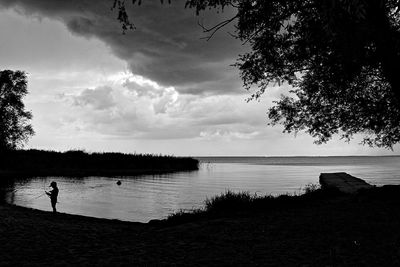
[[119, 182]]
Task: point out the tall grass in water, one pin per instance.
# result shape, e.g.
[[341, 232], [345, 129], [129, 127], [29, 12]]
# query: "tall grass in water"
[[77, 162], [244, 201], [229, 201], [235, 203]]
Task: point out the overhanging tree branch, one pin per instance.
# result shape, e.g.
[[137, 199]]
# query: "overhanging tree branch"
[[215, 28]]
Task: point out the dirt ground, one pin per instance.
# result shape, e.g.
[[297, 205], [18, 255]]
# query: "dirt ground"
[[347, 231]]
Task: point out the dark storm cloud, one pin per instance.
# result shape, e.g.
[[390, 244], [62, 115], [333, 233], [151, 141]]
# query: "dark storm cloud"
[[165, 47]]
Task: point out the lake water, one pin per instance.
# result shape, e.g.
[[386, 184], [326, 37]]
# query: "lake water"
[[156, 196]]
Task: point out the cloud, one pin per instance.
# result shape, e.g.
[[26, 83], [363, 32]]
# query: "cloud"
[[132, 107], [100, 98], [165, 48], [179, 95], [227, 135]]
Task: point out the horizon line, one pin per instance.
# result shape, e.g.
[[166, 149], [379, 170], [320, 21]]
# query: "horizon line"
[[301, 156]]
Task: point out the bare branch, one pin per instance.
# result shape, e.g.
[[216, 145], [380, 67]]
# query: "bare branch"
[[216, 27]]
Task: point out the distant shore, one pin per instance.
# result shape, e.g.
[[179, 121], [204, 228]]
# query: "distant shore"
[[27, 163], [318, 229]]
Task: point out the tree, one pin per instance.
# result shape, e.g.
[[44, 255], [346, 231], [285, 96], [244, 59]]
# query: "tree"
[[340, 56], [14, 127]]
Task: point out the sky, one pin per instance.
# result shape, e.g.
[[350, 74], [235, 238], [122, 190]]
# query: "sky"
[[160, 88]]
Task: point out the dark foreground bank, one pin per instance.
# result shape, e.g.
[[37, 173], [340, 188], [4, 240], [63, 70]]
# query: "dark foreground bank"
[[320, 230], [79, 163]]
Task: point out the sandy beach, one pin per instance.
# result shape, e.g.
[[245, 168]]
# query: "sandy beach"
[[359, 230]]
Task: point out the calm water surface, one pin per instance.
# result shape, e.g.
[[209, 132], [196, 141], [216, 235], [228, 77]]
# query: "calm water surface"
[[153, 197]]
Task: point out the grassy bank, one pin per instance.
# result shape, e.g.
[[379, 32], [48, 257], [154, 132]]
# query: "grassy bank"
[[315, 229], [232, 204], [80, 163]]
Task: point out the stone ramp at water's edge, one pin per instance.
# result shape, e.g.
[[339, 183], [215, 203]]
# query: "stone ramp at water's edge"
[[343, 182]]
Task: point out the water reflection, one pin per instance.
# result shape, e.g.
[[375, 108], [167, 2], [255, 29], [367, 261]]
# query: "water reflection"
[[152, 197], [7, 190]]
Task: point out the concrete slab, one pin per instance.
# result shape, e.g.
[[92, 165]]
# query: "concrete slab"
[[343, 182]]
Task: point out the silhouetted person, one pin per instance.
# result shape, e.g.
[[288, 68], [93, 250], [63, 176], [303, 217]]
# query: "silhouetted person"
[[53, 194]]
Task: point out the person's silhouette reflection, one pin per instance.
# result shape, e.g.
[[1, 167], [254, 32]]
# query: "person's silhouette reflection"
[[53, 194]]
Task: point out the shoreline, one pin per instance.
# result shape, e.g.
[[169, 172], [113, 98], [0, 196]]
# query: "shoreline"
[[64, 214], [337, 230]]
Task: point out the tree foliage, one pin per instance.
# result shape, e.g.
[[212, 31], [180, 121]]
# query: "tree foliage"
[[14, 119], [340, 56]]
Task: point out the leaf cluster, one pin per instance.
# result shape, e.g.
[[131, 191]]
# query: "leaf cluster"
[[340, 56], [14, 119]]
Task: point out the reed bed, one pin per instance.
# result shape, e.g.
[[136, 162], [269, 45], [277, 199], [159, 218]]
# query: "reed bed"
[[80, 163]]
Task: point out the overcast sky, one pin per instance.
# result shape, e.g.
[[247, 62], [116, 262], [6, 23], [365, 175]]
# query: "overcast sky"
[[157, 89]]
